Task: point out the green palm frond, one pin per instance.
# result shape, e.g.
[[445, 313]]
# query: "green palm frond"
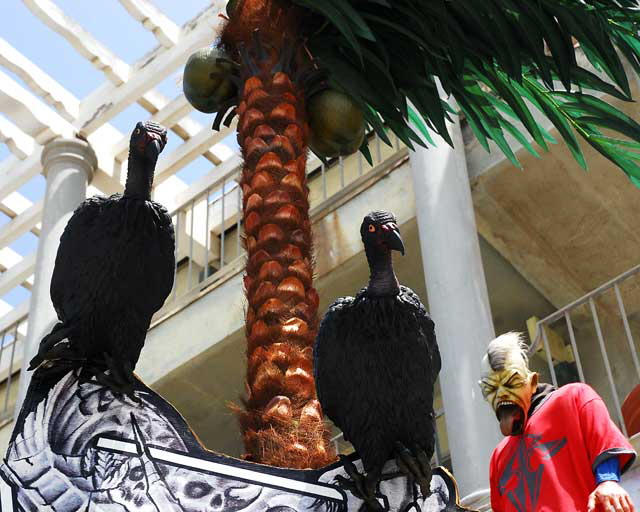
[[498, 58]]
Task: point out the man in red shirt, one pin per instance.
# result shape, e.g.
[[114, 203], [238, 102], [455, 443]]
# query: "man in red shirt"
[[561, 452]]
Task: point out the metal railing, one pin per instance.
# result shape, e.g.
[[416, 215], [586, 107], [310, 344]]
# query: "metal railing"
[[208, 216], [11, 339], [601, 319]]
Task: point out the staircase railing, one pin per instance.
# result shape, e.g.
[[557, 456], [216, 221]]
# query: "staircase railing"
[[608, 319], [11, 339]]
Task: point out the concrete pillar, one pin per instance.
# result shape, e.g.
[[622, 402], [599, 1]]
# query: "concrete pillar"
[[68, 166], [458, 303]]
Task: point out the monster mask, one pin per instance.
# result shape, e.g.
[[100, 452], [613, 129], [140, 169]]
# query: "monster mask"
[[507, 383]]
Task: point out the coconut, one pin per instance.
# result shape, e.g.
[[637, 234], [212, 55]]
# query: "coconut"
[[337, 124], [205, 83]]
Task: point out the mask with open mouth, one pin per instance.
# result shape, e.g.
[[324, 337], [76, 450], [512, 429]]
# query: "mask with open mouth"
[[511, 418], [507, 383]]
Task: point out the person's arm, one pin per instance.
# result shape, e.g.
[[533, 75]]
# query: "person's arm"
[[608, 471], [610, 452]]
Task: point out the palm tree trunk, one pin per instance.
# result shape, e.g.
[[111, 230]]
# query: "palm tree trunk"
[[282, 421]]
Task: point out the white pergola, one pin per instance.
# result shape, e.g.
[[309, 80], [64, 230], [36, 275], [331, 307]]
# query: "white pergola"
[[37, 114]]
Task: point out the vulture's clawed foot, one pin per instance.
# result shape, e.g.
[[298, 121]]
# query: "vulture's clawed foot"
[[118, 377], [51, 347], [361, 486], [415, 465]]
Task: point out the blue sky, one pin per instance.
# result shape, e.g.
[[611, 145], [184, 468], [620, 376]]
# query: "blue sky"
[[112, 25]]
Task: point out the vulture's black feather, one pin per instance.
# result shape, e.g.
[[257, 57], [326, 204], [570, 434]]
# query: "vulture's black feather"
[[113, 271], [376, 359]]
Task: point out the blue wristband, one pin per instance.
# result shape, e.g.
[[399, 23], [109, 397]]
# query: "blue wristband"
[[608, 470]]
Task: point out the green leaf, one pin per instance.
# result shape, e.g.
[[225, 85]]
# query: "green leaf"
[[555, 115], [372, 117], [519, 137], [366, 152], [598, 109], [620, 158], [385, 53], [633, 145], [477, 129], [490, 122], [417, 120], [336, 17], [503, 87]]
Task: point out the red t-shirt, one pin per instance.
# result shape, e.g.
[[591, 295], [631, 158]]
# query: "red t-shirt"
[[549, 467]]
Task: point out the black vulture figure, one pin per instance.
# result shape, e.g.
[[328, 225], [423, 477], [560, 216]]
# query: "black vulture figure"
[[376, 362], [113, 271]]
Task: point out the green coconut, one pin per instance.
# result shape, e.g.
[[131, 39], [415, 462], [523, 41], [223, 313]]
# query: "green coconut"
[[231, 6], [336, 123], [205, 83]]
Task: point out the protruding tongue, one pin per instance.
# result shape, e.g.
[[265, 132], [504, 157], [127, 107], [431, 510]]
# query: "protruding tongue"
[[511, 419]]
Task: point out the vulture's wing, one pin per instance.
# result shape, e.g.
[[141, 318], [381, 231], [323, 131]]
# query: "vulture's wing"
[[427, 326], [162, 267], [84, 261], [332, 369]]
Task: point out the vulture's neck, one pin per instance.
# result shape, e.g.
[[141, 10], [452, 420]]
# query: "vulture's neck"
[[382, 279], [139, 176]]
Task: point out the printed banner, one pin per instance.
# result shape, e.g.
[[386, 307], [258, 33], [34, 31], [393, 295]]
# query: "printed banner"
[[77, 447]]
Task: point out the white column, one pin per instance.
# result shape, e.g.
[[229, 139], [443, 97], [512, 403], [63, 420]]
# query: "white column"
[[458, 303], [68, 165]]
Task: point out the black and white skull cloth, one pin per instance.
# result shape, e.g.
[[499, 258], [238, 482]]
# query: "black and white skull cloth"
[[77, 447]]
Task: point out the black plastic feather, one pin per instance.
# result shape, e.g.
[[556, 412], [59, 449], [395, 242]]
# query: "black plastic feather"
[[376, 361], [114, 269]]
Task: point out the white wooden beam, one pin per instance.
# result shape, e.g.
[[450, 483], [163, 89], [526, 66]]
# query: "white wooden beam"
[[14, 204], [15, 172], [187, 152], [153, 101], [174, 115], [109, 99], [8, 258], [40, 121], [15, 315], [154, 20], [167, 116], [17, 274], [20, 224], [18, 142], [207, 182], [183, 126], [89, 47], [42, 84], [167, 191], [30, 114]]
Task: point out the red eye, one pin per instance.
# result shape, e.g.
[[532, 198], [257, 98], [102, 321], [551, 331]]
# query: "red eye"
[[372, 228]]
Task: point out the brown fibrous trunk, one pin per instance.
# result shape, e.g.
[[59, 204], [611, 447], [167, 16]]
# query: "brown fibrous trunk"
[[282, 420]]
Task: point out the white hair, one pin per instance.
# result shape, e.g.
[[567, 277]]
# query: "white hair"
[[499, 349]]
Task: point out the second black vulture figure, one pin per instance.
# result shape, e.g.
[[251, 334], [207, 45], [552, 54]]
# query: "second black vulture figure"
[[376, 362], [113, 271]]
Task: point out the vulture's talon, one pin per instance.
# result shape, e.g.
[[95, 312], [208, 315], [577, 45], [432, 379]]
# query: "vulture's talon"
[[118, 377], [415, 465], [361, 486], [46, 349], [54, 350]]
